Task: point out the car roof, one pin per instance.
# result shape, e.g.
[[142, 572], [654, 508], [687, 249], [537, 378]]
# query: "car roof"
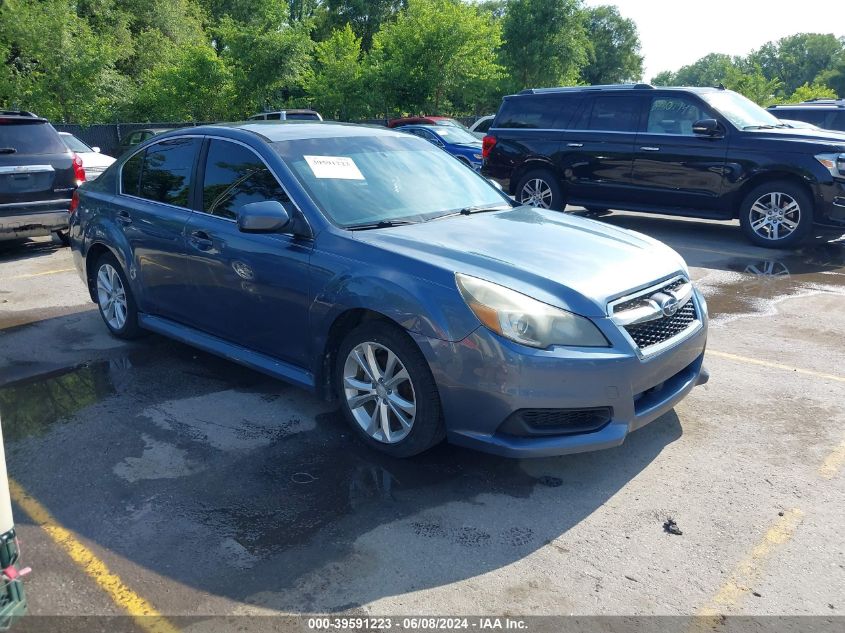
[[272, 131], [811, 105], [614, 88], [21, 115]]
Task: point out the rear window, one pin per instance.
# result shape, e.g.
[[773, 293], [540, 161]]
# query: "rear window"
[[302, 116], [36, 137], [537, 113]]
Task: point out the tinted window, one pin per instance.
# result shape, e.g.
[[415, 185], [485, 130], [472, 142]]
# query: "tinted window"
[[483, 126], [615, 114], [838, 121], [134, 138], [166, 176], [537, 113], [31, 138], [674, 115], [301, 116], [817, 117], [275, 116], [131, 174], [235, 176]]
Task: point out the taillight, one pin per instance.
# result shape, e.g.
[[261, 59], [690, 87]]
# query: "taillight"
[[487, 144], [78, 170], [74, 202]]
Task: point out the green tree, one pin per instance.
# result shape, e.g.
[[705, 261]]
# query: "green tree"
[[433, 51], [752, 83], [335, 85], [835, 77], [614, 55], [545, 42], [808, 92], [364, 16], [799, 59], [55, 64]]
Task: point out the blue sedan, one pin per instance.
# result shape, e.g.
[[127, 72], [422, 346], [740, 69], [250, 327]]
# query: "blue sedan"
[[371, 268], [460, 143]]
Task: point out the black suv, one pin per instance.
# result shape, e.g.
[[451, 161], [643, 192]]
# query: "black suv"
[[38, 175], [699, 152], [824, 113]]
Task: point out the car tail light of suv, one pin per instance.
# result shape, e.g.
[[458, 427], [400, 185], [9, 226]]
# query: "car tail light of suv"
[[487, 144], [78, 170]]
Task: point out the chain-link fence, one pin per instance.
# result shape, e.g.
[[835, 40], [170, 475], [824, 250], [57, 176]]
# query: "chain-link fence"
[[110, 136]]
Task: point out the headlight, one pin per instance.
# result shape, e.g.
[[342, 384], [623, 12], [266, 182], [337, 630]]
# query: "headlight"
[[477, 156], [835, 163], [525, 320]]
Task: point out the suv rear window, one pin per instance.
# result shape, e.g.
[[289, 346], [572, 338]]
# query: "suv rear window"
[[30, 137], [537, 113]]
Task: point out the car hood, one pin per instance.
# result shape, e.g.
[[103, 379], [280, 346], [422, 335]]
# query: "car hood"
[[564, 260], [95, 159], [804, 134]]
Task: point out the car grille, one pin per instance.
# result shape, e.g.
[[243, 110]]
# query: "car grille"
[[532, 422], [639, 301], [654, 332]]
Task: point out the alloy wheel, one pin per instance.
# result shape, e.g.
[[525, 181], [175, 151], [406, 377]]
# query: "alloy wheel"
[[774, 216], [379, 392], [111, 296], [537, 193]]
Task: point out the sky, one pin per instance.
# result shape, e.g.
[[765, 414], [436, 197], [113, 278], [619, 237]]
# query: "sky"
[[675, 33]]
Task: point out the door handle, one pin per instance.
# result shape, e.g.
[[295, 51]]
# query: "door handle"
[[124, 218], [650, 149], [201, 240], [575, 145]]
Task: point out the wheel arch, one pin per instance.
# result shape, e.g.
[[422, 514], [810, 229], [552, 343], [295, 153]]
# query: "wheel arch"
[[531, 164], [95, 251], [772, 176]]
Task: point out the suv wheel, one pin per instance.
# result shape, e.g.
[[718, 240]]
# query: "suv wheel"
[[776, 214], [386, 390], [540, 188], [115, 299]]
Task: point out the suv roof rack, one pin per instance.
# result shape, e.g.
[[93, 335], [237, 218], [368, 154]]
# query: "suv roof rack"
[[839, 103], [539, 91]]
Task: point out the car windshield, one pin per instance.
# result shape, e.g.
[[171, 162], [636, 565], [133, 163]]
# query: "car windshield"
[[74, 144], [373, 179], [452, 134], [740, 111]]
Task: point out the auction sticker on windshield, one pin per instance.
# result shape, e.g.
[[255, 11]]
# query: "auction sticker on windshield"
[[339, 167]]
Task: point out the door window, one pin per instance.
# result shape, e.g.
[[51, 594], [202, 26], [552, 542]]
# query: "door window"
[[234, 177], [166, 174], [674, 115], [134, 138], [615, 114], [838, 121], [130, 174]]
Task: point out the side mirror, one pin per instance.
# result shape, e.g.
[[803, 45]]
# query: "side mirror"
[[707, 127], [267, 216], [96, 149]]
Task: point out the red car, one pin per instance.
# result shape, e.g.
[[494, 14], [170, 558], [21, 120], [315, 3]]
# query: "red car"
[[425, 120]]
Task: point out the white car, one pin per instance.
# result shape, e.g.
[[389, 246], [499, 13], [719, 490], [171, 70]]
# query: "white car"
[[480, 127], [93, 162]]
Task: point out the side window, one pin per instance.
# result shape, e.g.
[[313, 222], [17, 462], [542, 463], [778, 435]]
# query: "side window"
[[838, 122], [134, 138], [537, 112], [235, 176], [484, 126], [275, 116], [131, 174], [615, 114], [674, 115], [166, 175]]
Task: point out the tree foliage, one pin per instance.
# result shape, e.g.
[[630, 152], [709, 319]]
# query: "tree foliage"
[[614, 54]]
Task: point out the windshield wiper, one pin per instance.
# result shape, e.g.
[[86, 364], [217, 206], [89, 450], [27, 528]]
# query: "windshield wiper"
[[7, 150], [761, 127], [381, 224], [474, 209]]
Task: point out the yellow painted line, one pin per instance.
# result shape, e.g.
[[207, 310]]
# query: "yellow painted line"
[[765, 363], [143, 612], [833, 463], [748, 569], [46, 272]]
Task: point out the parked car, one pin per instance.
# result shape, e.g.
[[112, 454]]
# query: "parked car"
[[93, 161], [480, 127], [425, 120], [135, 138], [38, 174], [458, 142], [828, 114], [287, 115], [366, 264], [701, 152]]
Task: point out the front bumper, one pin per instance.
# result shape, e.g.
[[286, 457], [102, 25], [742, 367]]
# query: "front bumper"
[[33, 219], [830, 206], [484, 379]]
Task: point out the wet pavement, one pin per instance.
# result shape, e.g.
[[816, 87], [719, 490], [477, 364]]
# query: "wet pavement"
[[211, 489]]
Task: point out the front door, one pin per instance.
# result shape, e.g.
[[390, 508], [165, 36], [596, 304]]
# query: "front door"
[[673, 167], [249, 289]]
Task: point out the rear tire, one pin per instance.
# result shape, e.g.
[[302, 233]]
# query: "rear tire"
[[62, 238], [115, 299], [540, 188], [386, 390], [777, 214]]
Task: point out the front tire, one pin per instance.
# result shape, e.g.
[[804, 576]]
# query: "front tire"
[[776, 214], [540, 188], [386, 390], [115, 299]]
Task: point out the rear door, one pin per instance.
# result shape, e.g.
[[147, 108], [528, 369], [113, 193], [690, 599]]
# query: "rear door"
[[598, 155], [36, 168], [673, 167], [156, 190]]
